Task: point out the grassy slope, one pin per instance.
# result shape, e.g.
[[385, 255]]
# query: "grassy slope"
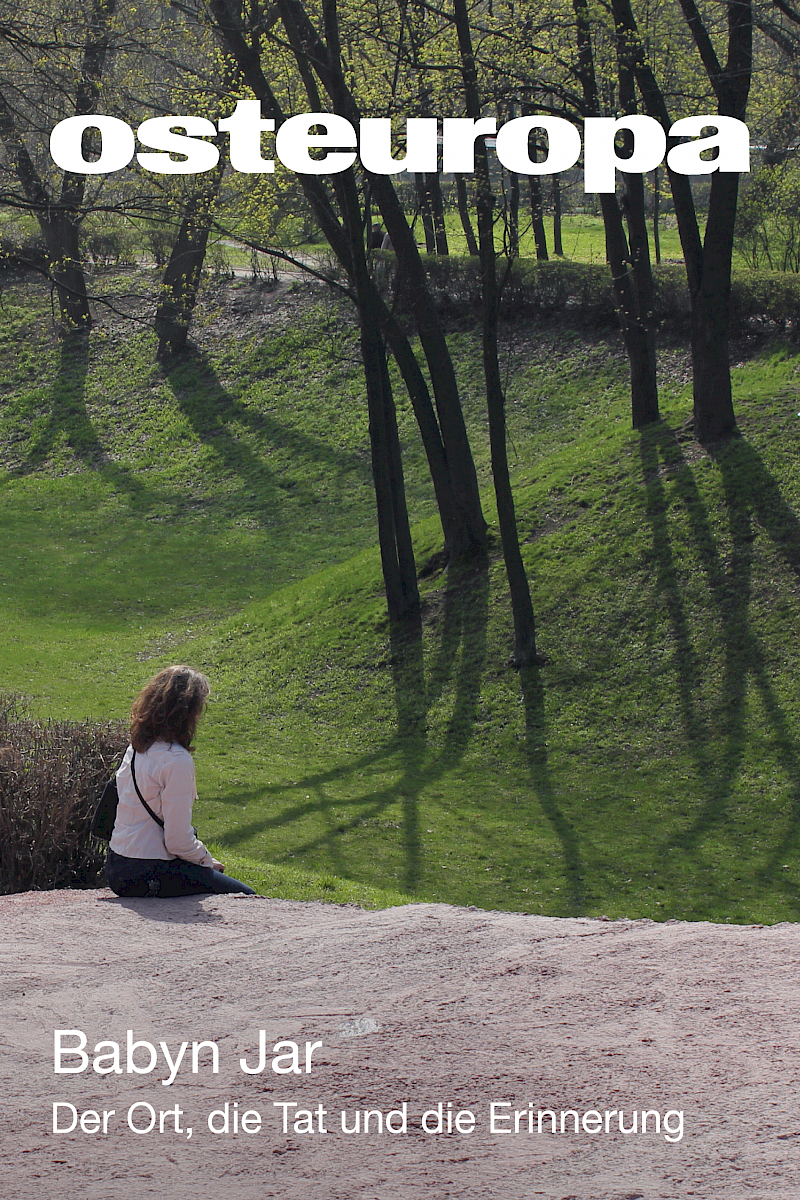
[[222, 514]]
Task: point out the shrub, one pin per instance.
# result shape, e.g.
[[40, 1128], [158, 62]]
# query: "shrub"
[[22, 252], [537, 289], [51, 776], [110, 247], [584, 292], [766, 299]]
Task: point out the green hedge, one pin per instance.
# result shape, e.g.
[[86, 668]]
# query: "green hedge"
[[583, 291]]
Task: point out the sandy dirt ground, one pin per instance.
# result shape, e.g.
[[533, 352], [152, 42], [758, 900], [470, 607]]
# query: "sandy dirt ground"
[[422, 1006]]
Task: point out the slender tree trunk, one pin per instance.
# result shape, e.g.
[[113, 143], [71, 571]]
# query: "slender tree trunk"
[[394, 531], [440, 366], [656, 205], [424, 206], [422, 405], [642, 354], [521, 604], [437, 208], [463, 212], [537, 217], [638, 337], [558, 246], [628, 257], [513, 214]]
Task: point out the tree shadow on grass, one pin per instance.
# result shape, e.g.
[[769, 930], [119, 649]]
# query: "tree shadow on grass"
[[533, 697], [460, 655], [716, 735], [214, 413], [69, 419], [460, 618]]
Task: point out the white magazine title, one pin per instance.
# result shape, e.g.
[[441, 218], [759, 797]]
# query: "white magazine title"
[[324, 144]]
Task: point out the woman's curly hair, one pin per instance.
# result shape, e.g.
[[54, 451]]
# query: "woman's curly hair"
[[168, 708]]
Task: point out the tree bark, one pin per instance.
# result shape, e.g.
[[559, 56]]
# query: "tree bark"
[[183, 272], [60, 217], [708, 261], [422, 405], [558, 245], [437, 211], [714, 417], [628, 257], [519, 590], [656, 205], [467, 528], [424, 207], [513, 214], [537, 217], [61, 231], [463, 212]]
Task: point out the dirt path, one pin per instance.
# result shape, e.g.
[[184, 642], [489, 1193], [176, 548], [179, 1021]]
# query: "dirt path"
[[422, 1005]]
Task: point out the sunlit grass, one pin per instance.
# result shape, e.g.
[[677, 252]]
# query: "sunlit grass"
[[222, 514]]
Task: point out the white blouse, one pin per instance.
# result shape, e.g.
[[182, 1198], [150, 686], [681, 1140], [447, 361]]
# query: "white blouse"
[[165, 775]]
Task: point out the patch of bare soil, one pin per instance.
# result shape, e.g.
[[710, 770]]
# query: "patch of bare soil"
[[422, 1006]]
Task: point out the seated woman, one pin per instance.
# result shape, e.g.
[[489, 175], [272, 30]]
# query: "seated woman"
[[154, 850]]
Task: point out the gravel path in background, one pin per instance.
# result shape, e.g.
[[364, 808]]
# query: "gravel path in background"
[[425, 1004]]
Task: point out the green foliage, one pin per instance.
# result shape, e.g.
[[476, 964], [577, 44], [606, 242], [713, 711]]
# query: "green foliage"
[[108, 243], [768, 218]]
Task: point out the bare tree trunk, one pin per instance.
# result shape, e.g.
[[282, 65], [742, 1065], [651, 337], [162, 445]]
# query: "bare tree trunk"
[[440, 365], [182, 275], [513, 214], [629, 258], [463, 212], [558, 246], [61, 230], [656, 229], [437, 209], [711, 376], [638, 336], [537, 217], [422, 405], [424, 206], [708, 261], [521, 604]]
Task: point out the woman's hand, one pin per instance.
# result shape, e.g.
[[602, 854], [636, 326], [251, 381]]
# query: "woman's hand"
[[217, 866]]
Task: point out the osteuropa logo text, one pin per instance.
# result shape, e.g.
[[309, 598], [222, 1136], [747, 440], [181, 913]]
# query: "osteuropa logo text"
[[193, 139]]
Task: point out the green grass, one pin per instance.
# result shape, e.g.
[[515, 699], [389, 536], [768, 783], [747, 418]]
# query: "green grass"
[[293, 883], [222, 514], [582, 234]]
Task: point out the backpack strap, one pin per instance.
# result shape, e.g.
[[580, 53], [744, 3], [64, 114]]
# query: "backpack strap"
[[157, 820]]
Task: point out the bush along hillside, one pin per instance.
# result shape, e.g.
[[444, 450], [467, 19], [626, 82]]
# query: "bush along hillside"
[[51, 777], [219, 512]]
